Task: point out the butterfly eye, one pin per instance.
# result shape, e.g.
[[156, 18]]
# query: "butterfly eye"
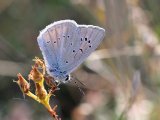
[[68, 36], [85, 39], [67, 78], [89, 41], [81, 50]]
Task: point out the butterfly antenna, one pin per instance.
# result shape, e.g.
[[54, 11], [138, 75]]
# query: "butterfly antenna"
[[78, 86], [79, 81]]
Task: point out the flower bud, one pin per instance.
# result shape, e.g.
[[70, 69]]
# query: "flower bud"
[[35, 75], [24, 85], [38, 62]]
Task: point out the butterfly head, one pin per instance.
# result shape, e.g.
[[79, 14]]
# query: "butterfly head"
[[65, 79]]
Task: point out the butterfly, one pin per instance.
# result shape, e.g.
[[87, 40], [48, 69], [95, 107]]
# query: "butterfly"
[[65, 45]]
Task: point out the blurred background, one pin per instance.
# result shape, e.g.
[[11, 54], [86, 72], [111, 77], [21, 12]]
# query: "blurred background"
[[122, 78]]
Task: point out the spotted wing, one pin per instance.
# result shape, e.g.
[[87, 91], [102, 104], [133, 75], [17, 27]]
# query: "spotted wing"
[[84, 41], [52, 40]]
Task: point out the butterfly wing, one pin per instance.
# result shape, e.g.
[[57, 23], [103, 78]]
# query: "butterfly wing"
[[78, 48], [52, 40]]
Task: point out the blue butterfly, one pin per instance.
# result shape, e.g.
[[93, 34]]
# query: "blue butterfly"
[[65, 45]]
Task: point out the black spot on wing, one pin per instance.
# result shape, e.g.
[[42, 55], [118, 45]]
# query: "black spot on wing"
[[81, 50]]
